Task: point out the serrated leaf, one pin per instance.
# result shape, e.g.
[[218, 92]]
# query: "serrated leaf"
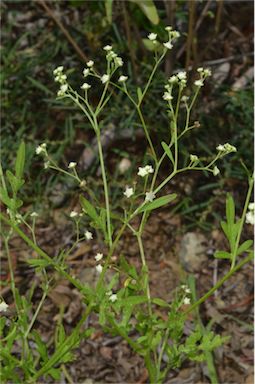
[[222, 255], [149, 9], [157, 203], [20, 160], [167, 151], [244, 247], [89, 209]]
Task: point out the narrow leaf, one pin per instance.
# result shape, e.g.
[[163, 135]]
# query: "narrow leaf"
[[134, 300], [139, 94], [89, 209], [158, 202], [230, 209], [222, 255], [15, 182], [149, 9], [20, 160], [167, 151], [108, 10], [244, 247]]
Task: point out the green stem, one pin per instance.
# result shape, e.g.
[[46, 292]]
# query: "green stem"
[[219, 283], [36, 313]]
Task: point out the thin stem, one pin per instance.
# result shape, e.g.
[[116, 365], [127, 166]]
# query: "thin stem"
[[36, 313]]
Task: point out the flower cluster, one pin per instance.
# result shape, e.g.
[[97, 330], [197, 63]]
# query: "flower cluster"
[[224, 149], [112, 57], [129, 191], [180, 78], [41, 149], [186, 293], [250, 214], [144, 171], [99, 267], [172, 35], [60, 78], [3, 306], [204, 73]]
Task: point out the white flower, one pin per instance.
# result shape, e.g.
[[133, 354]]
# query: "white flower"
[[119, 61], [99, 256], [90, 63], [58, 70], [128, 192], [226, 148], [72, 164], [220, 148], [207, 72], [187, 290], [168, 45], [167, 96], [34, 214], [168, 29], [200, 69], [249, 218], [152, 36], [86, 72], [186, 301], [193, 158], [105, 78], [173, 79], [182, 75], [85, 86], [46, 165], [251, 206], [122, 79], [113, 298], [199, 83], [144, 171], [83, 183], [150, 196], [88, 235], [41, 149], [184, 98], [73, 214], [63, 89], [99, 268], [3, 306], [124, 165], [107, 48], [216, 171]]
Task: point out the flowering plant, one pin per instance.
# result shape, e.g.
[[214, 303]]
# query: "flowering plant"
[[124, 304]]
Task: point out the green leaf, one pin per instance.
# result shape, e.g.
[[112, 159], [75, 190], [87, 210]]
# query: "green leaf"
[[149, 9], [134, 300], [38, 262], [160, 302], [4, 197], [126, 267], [89, 209], [222, 255], [244, 247], [153, 46], [230, 210], [41, 346], [225, 228], [108, 10], [20, 160], [15, 182], [158, 202], [139, 94], [167, 151]]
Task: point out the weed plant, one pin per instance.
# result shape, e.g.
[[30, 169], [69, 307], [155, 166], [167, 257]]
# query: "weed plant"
[[124, 305]]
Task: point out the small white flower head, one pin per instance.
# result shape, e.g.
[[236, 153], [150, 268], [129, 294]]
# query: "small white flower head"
[[118, 61], [86, 72], [124, 165], [216, 171], [113, 297], [144, 171], [107, 48], [85, 86], [193, 158], [99, 268], [187, 290], [72, 165], [99, 256], [83, 183], [168, 28], [73, 214], [129, 191], [41, 149], [199, 83], [186, 301], [3, 306], [207, 72], [34, 214], [182, 75], [90, 63], [175, 34], [249, 218], [167, 96], [88, 235], [168, 45], [220, 148], [251, 206], [184, 98], [46, 165], [226, 148], [150, 196], [173, 79], [122, 79], [62, 90], [152, 36], [105, 78], [200, 70], [58, 70]]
